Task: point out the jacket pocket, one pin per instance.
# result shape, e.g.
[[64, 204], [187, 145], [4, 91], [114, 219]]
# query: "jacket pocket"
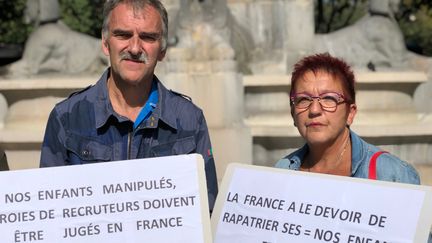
[[86, 149], [180, 146]]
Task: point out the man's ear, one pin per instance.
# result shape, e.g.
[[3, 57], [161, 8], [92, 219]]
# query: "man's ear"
[[161, 55], [105, 46]]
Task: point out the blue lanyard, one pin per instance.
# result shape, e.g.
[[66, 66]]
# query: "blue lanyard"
[[149, 106]]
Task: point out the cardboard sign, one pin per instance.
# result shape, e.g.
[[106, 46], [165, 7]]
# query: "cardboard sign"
[[269, 205], [146, 200]]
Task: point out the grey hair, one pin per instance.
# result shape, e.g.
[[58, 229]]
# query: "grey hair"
[[136, 5]]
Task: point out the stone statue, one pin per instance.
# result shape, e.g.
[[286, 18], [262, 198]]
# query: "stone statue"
[[374, 42], [209, 32], [54, 47]]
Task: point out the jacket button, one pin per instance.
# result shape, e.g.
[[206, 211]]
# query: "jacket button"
[[85, 152]]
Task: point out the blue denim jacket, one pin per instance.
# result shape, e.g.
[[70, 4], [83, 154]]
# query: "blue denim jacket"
[[85, 129], [389, 167]]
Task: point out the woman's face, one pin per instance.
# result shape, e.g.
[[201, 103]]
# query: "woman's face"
[[317, 125]]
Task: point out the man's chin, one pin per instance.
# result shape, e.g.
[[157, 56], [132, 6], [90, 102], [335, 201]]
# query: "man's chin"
[[132, 80], [135, 78]]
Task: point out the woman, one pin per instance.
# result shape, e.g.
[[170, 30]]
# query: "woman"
[[323, 108]]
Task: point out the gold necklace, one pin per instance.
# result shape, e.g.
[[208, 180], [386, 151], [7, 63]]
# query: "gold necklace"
[[341, 154]]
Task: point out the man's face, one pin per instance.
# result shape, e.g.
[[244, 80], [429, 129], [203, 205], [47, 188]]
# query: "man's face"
[[134, 43]]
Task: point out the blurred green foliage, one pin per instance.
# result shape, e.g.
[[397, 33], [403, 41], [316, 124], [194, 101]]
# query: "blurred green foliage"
[[414, 18], [12, 27], [83, 15], [331, 15]]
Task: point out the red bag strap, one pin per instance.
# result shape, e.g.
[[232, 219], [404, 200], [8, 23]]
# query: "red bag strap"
[[372, 165]]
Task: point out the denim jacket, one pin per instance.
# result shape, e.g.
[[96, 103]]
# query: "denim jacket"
[[85, 129], [389, 167]]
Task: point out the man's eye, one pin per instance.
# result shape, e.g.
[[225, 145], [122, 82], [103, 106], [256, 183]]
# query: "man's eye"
[[122, 36], [149, 38]]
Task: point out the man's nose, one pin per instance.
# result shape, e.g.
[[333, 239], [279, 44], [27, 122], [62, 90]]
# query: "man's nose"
[[135, 45]]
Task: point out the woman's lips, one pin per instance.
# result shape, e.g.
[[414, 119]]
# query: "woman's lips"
[[314, 124]]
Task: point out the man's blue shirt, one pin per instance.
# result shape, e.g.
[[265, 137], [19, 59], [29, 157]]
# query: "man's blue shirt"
[[84, 128], [149, 105]]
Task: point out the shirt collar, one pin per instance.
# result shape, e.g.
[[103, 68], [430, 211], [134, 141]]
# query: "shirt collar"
[[356, 157], [164, 108], [149, 105], [297, 159], [104, 110], [357, 152]]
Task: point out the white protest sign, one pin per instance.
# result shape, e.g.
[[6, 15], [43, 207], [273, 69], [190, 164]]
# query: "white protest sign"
[[269, 205], [146, 200]]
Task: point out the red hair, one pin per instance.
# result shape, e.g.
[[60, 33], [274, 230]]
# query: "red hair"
[[336, 67]]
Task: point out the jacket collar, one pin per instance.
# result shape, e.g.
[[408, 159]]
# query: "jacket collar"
[[104, 110], [164, 108], [357, 154], [297, 158]]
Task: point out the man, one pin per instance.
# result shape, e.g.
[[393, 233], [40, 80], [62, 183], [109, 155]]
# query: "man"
[[128, 113]]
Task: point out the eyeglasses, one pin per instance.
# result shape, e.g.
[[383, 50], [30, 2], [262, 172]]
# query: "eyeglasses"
[[328, 101]]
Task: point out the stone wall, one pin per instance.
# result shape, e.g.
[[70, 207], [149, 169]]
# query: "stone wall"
[[247, 109]]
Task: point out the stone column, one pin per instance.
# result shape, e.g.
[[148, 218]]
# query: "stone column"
[[220, 94], [201, 65], [299, 30]]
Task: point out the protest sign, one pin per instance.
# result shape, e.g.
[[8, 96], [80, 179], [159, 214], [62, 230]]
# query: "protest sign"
[[144, 200], [269, 205]]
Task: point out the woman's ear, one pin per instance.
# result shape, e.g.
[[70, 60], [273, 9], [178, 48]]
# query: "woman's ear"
[[292, 116], [352, 112]]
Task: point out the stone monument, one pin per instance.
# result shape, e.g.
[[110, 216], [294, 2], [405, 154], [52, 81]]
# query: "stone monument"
[[52, 51], [394, 111], [375, 42], [216, 48], [281, 32], [54, 47], [202, 65], [208, 30]]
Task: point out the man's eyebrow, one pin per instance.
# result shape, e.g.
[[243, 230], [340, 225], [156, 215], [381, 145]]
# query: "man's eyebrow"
[[121, 32], [151, 34], [128, 32]]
